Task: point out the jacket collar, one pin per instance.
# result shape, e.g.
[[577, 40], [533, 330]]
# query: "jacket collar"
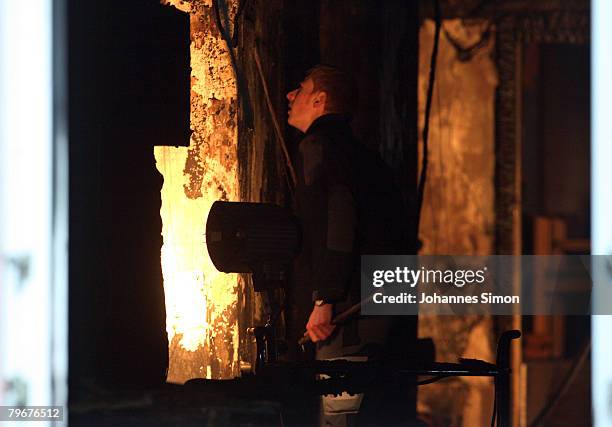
[[329, 121]]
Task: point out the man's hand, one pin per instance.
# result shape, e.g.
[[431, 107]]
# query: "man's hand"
[[319, 326]]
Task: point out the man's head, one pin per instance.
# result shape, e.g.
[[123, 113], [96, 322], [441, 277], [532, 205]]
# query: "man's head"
[[324, 90]]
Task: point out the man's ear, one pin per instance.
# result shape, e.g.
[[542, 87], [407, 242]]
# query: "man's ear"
[[320, 99]]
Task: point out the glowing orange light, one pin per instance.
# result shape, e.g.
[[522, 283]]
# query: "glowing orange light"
[[200, 301]]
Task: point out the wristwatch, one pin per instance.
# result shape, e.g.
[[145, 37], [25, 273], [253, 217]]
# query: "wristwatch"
[[319, 302]]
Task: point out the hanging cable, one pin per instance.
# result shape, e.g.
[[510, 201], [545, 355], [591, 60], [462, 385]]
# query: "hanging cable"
[[219, 6], [430, 89], [292, 177]]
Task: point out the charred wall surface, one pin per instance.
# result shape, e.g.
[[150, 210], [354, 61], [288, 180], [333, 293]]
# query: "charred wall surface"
[[458, 208]]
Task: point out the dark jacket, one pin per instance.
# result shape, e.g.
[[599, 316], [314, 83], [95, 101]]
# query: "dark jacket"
[[348, 205]]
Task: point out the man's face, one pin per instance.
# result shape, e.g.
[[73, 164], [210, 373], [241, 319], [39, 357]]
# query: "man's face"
[[305, 105]]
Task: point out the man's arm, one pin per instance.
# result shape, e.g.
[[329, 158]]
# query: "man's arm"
[[319, 326]]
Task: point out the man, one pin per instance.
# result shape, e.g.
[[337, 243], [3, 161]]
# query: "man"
[[348, 205], [325, 202]]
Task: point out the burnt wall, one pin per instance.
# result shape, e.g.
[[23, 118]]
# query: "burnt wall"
[[201, 302], [458, 208], [261, 168]]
